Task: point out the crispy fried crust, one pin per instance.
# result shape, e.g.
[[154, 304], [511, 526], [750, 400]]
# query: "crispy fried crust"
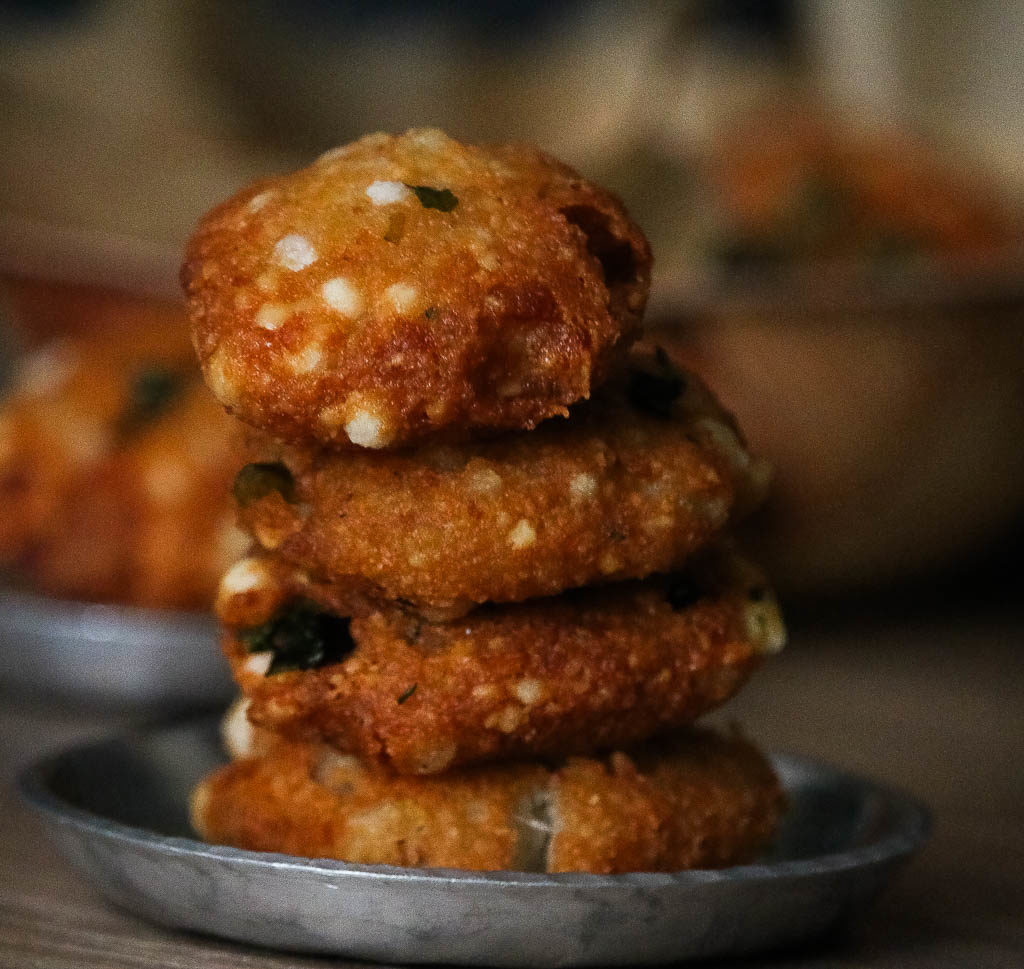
[[580, 673], [698, 801], [618, 491], [336, 305], [102, 502]]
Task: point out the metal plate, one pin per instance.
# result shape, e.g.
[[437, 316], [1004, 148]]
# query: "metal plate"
[[112, 656], [117, 810]]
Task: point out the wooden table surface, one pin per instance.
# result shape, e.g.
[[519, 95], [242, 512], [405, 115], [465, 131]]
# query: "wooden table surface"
[[935, 706]]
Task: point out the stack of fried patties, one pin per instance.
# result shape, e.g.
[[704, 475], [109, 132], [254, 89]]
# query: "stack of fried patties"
[[491, 594]]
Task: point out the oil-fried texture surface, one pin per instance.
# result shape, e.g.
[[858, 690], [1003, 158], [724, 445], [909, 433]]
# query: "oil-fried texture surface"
[[343, 304], [583, 672], [615, 492], [303, 800], [115, 466], [699, 801]]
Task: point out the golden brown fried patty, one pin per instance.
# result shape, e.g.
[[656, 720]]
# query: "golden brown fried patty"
[[115, 467], [697, 801], [583, 672], [402, 286], [636, 481]]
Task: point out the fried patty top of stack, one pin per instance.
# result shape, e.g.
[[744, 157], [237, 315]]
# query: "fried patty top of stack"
[[408, 286], [585, 671], [634, 482]]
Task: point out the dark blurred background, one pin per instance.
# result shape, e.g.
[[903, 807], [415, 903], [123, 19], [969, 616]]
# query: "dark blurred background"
[[832, 191]]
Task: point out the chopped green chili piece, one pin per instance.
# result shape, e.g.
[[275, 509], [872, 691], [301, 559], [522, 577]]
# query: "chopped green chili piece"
[[408, 693], [430, 312], [441, 199], [302, 637], [153, 392], [656, 392], [258, 480]]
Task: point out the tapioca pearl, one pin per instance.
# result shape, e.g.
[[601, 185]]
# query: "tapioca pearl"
[[723, 439], [236, 730], [368, 429], [485, 481], [403, 297], [523, 535], [271, 315], [387, 193], [342, 297], [583, 486], [507, 719], [220, 376], [436, 758], [247, 575], [258, 663], [433, 139], [528, 691], [257, 202], [308, 359], [294, 252], [764, 624]]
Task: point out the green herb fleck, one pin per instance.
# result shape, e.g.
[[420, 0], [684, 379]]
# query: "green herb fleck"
[[408, 693], [258, 480], [656, 391], [616, 536], [442, 199], [430, 312], [153, 392], [682, 591], [301, 636]]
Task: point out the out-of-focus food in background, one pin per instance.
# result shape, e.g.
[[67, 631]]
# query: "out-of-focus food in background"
[[792, 190], [115, 461], [864, 323]]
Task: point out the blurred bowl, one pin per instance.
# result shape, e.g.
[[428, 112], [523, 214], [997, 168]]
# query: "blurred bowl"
[[893, 412]]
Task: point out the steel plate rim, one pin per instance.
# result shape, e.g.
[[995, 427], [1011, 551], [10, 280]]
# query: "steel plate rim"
[[910, 828]]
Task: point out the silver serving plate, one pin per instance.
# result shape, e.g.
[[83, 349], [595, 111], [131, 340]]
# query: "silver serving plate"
[[118, 811], [110, 656]]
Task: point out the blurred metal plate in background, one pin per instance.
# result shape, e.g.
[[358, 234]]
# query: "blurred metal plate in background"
[[118, 811], [110, 656]]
